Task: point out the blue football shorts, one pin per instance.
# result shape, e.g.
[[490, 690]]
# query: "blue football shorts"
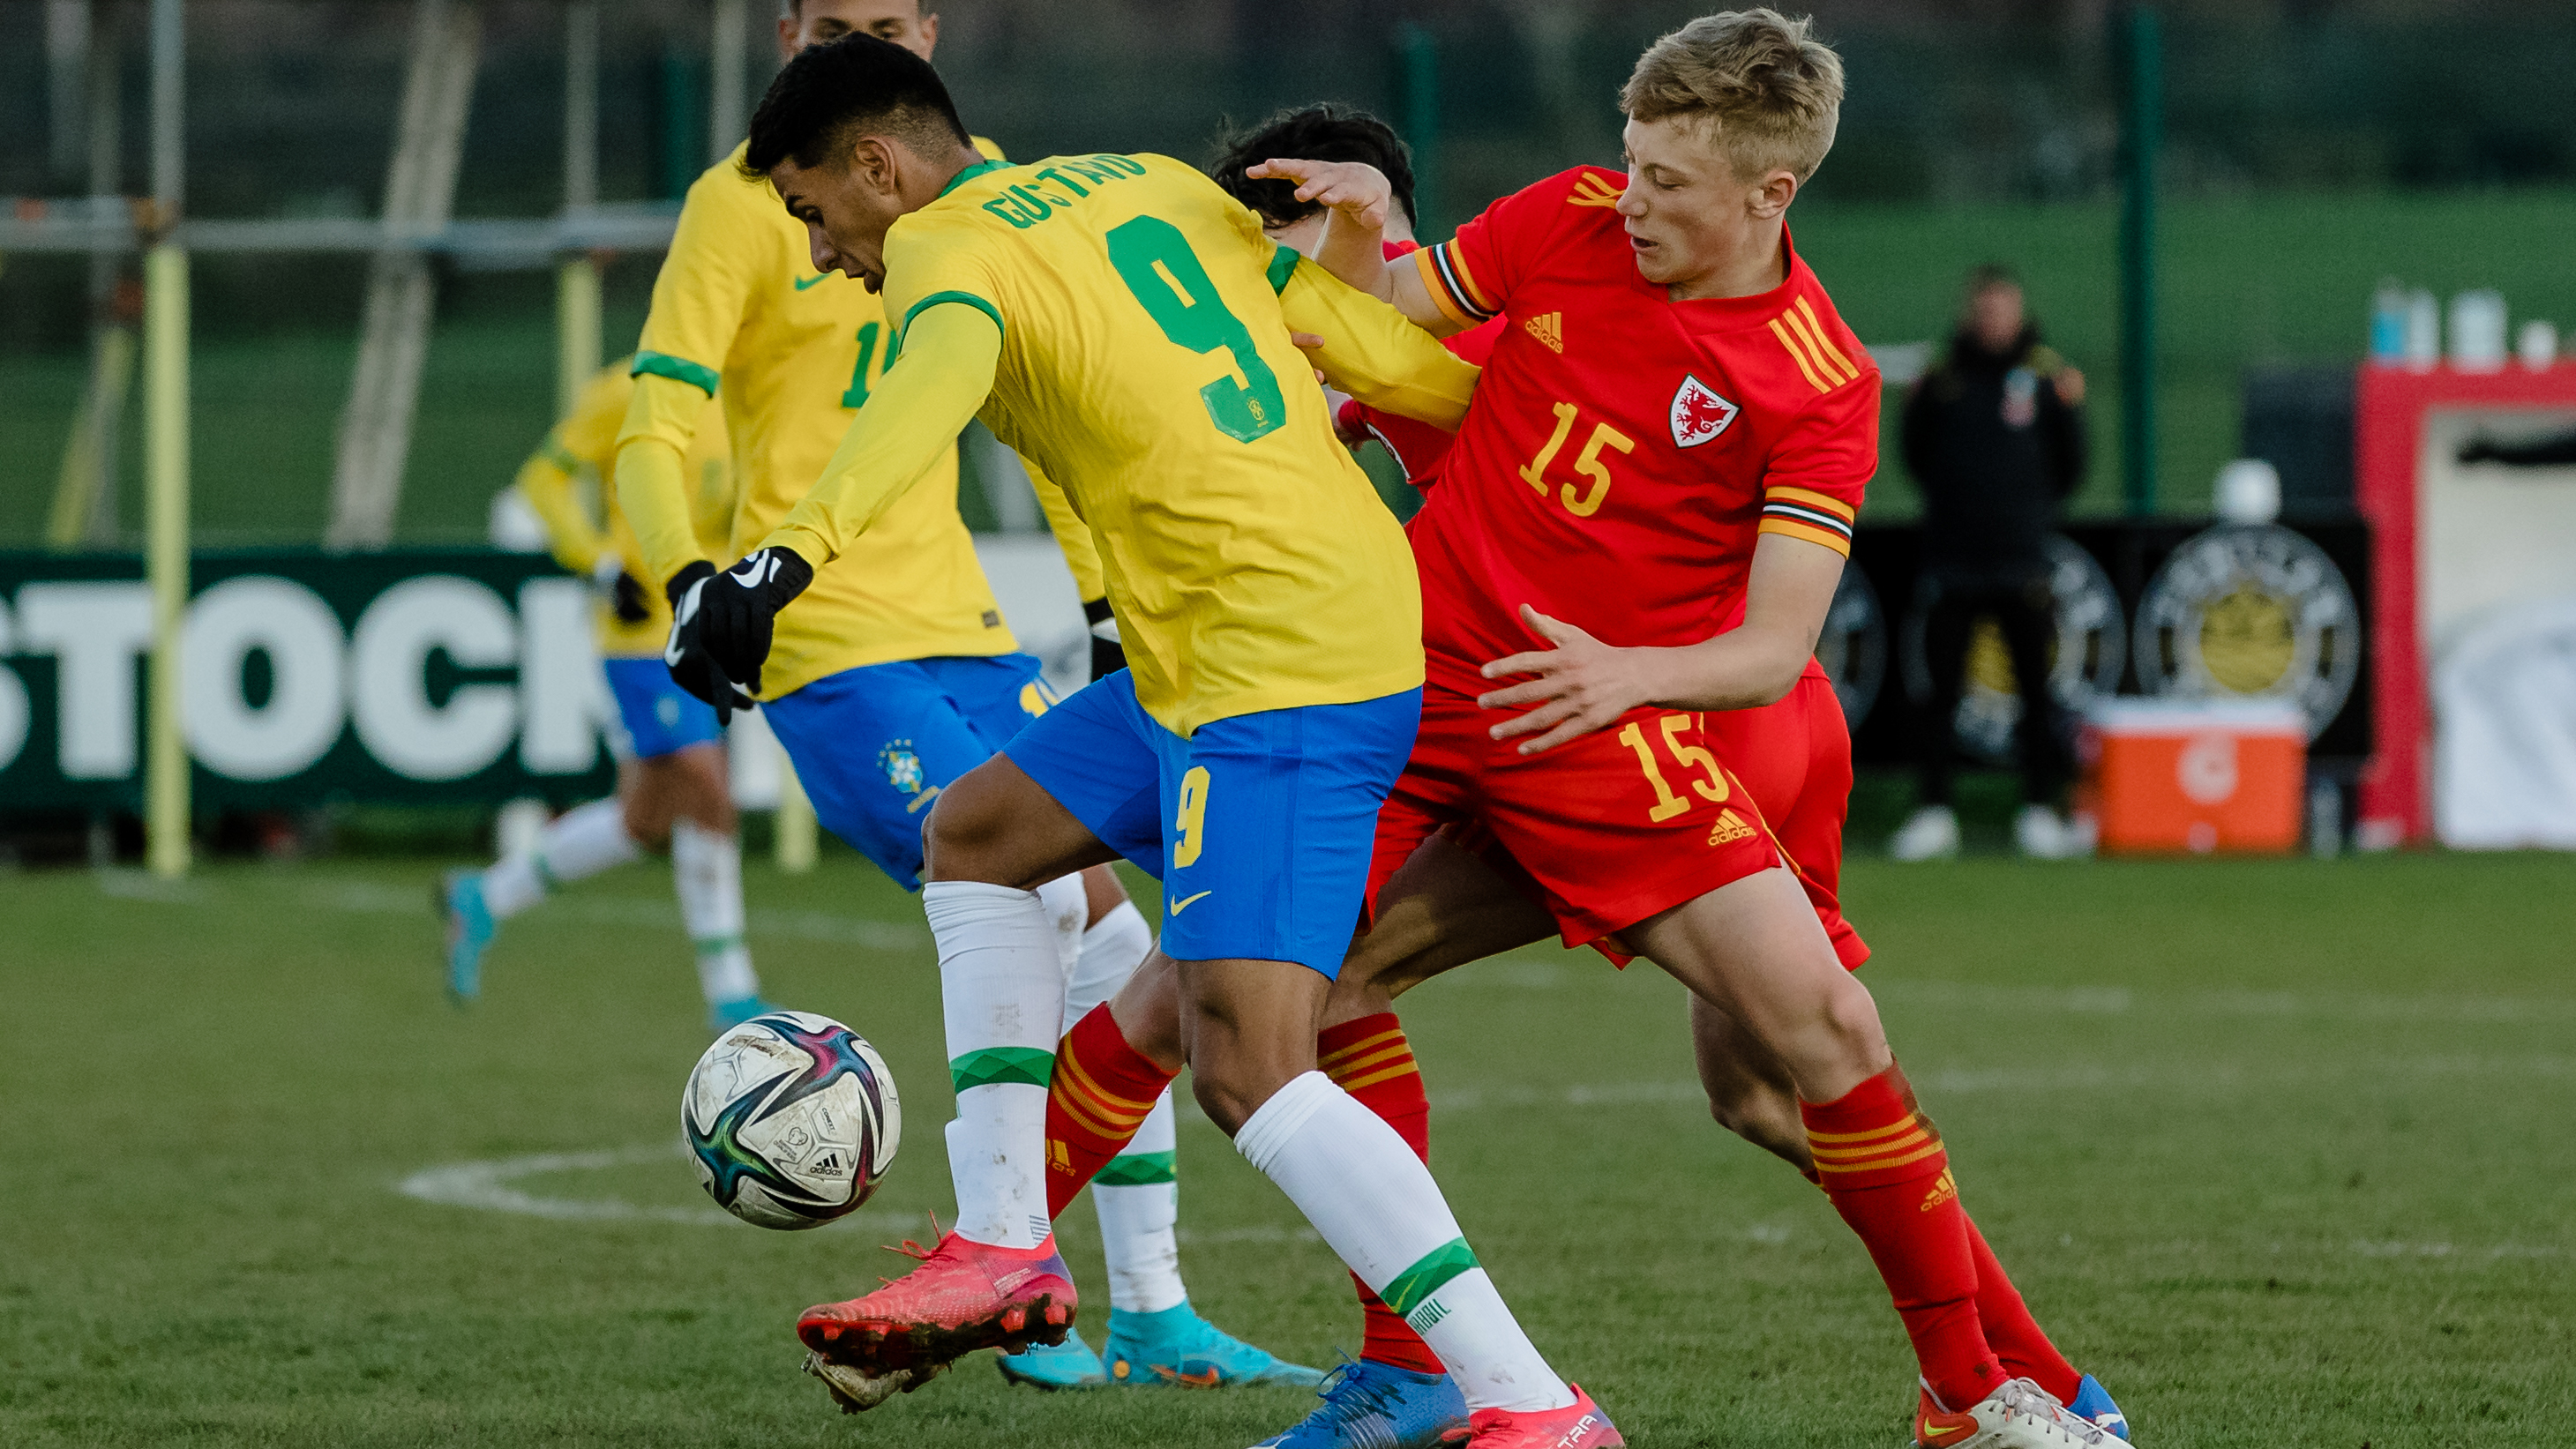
[[658, 716], [874, 746], [1259, 826]]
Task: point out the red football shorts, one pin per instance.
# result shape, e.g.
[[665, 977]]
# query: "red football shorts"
[[1600, 861], [1794, 758], [1610, 828]]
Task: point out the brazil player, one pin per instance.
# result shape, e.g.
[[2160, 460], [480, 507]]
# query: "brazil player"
[[895, 673], [1679, 276], [1125, 326], [670, 756]]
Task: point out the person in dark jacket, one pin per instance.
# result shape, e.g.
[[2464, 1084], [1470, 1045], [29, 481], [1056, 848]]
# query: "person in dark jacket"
[[1994, 436]]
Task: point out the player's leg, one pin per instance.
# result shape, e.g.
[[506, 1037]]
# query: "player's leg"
[[686, 798], [1155, 1336], [1273, 817], [997, 837], [654, 718], [1796, 762]]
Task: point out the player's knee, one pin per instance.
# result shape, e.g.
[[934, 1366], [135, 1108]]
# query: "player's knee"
[[964, 832], [1851, 1020], [1224, 1100]]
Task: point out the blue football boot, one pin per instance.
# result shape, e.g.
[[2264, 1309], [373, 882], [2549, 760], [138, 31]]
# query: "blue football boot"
[[1067, 1365], [2092, 1403], [1178, 1347], [724, 1016], [469, 932], [1377, 1406]]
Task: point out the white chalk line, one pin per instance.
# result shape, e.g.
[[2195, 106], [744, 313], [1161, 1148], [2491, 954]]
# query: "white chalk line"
[[369, 898]]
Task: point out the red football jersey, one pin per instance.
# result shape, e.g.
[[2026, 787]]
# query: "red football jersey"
[[1624, 450]]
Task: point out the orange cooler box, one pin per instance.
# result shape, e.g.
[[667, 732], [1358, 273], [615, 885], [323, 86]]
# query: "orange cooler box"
[[2168, 776]]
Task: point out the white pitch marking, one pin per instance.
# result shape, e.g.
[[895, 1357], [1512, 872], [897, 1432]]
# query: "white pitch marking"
[[488, 1186]]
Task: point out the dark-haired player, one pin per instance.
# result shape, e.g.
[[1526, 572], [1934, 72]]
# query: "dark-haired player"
[[1329, 132], [1126, 326], [895, 673], [1667, 448]]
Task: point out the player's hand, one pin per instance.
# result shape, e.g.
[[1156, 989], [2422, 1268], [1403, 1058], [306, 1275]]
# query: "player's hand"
[[2070, 386], [1353, 188], [721, 624], [621, 591], [1582, 684], [1310, 344], [1108, 651]]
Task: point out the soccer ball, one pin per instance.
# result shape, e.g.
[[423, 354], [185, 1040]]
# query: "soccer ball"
[[792, 1118]]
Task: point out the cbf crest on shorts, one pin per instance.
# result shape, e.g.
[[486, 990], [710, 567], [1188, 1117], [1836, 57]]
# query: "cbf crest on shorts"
[[1699, 414], [902, 767]]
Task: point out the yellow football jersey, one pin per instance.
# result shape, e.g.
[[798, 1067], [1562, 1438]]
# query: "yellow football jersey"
[[1146, 368], [738, 301], [580, 454]]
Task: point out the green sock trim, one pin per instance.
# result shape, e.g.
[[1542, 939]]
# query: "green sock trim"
[[711, 945], [990, 1066], [545, 873], [1417, 1283], [1138, 1169]]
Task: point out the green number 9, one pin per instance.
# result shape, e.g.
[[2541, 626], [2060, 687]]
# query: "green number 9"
[[1156, 262]]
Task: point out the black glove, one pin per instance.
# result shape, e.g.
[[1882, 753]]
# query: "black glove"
[[720, 624], [628, 598], [1108, 654]]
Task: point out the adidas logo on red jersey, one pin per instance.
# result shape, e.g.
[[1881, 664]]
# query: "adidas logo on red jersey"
[[1729, 827], [1549, 329]]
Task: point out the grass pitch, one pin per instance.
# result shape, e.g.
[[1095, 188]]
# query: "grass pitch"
[[2279, 1149]]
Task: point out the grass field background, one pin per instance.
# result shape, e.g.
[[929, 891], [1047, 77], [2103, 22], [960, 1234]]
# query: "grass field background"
[[2279, 1149], [2283, 276]]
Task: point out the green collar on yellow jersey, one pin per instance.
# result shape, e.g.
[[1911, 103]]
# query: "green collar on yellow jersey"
[[970, 173]]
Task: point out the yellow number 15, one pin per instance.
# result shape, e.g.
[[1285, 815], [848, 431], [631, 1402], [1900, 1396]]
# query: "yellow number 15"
[[1587, 464]]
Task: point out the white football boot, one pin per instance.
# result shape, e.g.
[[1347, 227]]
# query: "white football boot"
[[1930, 833], [2043, 834], [2019, 1415]]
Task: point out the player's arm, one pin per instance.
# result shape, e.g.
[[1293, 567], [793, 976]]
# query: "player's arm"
[[950, 354], [652, 483], [547, 480], [1353, 248], [718, 253], [1082, 556], [1582, 684], [1369, 351], [1081, 553], [721, 623]]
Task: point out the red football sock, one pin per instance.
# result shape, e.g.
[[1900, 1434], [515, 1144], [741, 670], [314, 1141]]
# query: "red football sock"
[[1370, 1059], [1885, 1170], [2015, 1335], [1097, 1098]]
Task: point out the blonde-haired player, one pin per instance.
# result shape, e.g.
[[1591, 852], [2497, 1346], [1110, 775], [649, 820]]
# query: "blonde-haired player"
[[670, 754], [895, 673]]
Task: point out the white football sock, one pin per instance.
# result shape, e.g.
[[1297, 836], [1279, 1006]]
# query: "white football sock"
[[706, 870], [1138, 1199], [1068, 908], [1111, 952], [1376, 1204], [580, 842], [1001, 991]]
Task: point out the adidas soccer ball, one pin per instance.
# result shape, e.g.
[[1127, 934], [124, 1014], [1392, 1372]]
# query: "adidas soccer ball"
[[792, 1119]]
